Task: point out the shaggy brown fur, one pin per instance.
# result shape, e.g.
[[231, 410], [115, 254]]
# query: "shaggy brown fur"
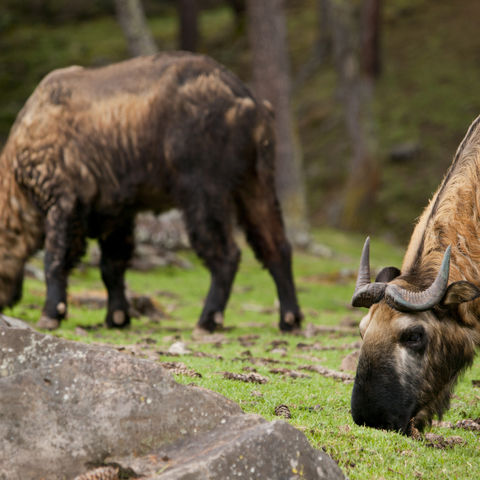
[[92, 147], [410, 361]]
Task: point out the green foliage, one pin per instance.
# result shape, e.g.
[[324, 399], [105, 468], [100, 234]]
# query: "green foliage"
[[319, 406], [426, 95]]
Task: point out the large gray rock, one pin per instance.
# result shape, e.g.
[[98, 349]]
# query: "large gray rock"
[[66, 407]]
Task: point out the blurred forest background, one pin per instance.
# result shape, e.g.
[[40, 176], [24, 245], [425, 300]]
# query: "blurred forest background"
[[372, 98]]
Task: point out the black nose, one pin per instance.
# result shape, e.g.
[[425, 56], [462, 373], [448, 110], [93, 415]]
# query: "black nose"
[[379, 405], [375, 418]]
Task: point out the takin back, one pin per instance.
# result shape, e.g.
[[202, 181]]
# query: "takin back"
[[423, 326], [92, 147]]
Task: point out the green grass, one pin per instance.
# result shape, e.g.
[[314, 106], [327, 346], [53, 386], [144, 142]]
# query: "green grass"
[[319, 405]]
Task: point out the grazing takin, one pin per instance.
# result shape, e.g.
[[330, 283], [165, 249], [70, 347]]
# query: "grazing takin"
[[92, 147], [423, 326]]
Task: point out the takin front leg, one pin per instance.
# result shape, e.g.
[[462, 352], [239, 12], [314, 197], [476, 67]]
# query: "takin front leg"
[[209, 224], [117, 247], [260, 215], [64, 246]]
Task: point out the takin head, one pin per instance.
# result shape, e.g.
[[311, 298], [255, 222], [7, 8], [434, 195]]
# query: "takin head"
[[415, 345]]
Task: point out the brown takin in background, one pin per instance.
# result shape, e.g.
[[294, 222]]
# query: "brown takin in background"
[[423, 326], [92, 147]]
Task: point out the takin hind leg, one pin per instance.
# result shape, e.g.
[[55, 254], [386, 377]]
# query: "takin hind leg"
[[117, 245], [260, 215], [208, 220], [64, 246]]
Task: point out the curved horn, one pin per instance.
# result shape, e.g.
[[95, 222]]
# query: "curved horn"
[[406, 300], [366, 293]]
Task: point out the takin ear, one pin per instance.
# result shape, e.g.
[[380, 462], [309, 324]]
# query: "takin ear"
[[387, 274], [460, 292]]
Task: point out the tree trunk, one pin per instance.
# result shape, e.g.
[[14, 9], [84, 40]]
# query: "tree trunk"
[[188, 32], [271, 80], [131, 18], [239, 8], [356, 92], [322, 46], [370, 52]]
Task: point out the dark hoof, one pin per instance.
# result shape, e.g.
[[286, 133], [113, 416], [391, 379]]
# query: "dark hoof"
[[47, 323], [117, 319], [290, 322], [213, 322]]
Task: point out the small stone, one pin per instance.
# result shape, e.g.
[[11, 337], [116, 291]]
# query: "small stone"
[[179, 348]]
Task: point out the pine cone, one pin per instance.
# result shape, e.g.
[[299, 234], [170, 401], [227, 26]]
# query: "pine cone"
[[283, 411], [251, 377], [102, 473], [468, 424]]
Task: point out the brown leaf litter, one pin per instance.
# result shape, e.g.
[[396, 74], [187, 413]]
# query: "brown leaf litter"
[[179, 368], [289, 373], [251, 377], [312, 330], [465, 424], [248, 340], [317, 346], [434, 440], [328, 372], [439, 441]]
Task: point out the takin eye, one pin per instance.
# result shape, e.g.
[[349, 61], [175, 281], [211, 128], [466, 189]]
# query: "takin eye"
[[414, 338]]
